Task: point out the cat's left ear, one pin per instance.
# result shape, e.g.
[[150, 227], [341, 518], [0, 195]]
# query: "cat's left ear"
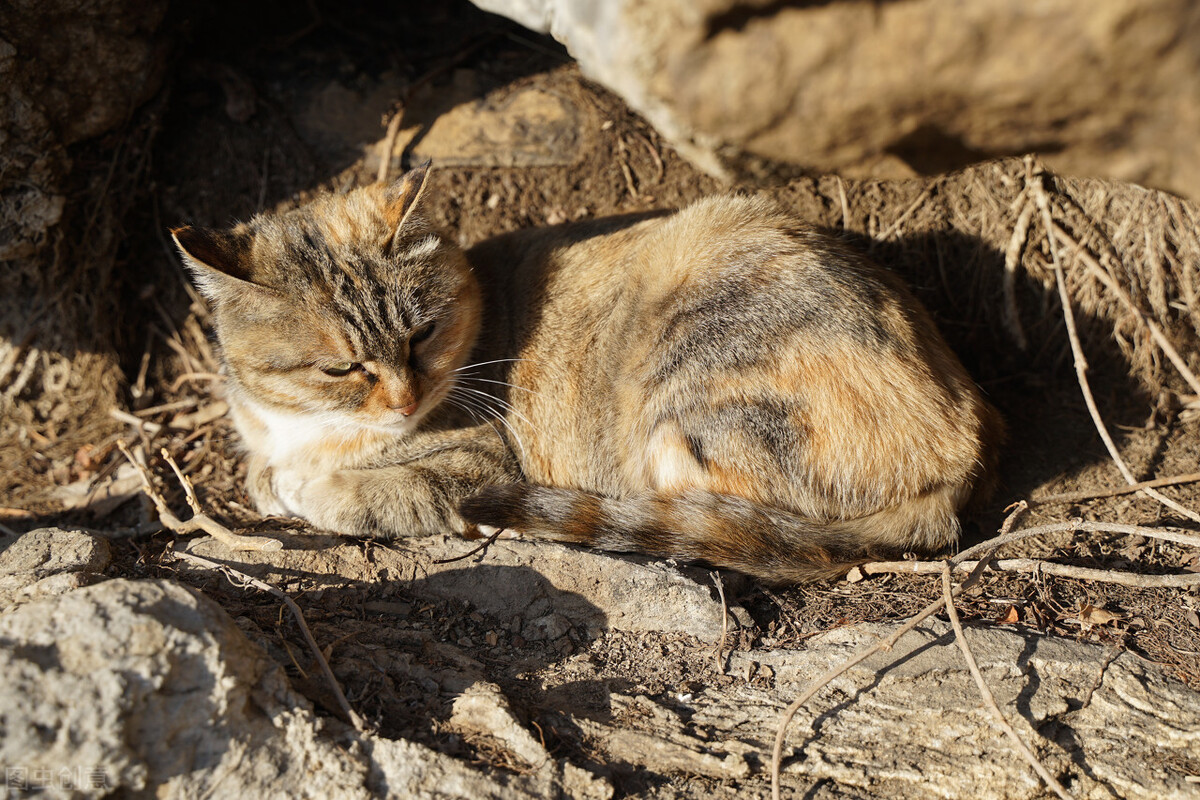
[[219, 260], [403, 195]]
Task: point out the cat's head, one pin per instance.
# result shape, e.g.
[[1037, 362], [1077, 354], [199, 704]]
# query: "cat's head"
[[351, 308]]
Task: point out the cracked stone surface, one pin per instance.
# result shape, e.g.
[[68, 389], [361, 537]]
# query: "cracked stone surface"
[[152, 688], [547, 588], [49, 561]]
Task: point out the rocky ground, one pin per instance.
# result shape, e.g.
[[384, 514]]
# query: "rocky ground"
[[539, 670]]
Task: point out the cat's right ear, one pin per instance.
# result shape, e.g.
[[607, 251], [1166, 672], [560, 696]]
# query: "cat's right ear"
[[219, 260], [402, 196]]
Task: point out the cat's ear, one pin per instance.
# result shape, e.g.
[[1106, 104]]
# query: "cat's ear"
[[403, 195], [219, 260]]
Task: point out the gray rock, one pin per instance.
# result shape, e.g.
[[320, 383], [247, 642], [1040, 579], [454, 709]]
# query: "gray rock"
[[49, 561], [886, 89], [593, 590], [146, 688], [910, 723], [47, 551]]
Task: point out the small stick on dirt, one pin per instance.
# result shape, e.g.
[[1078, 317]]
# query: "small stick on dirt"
[[488, 542], [389, 143], [845, 203], [1077, 497], [1095, 268], [1033, 565], [624, 163], [986, 693], [237, 577], [7, 531], [659, 169], [199, 521], [142, 425], [1012, 263], [921, 198], [1081, 365], [716, 578], [195, 376]]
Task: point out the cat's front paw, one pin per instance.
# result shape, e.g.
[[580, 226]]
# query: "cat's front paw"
[[324, 501]]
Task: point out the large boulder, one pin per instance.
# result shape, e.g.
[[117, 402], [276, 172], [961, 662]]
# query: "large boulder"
[[888, 88]]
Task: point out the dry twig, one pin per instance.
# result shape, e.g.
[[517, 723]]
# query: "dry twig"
[[1036, 566], [199, 521], [716, 578], [1077, 497], [1081, 366], [241, 578], [986, 693], [488, 542]]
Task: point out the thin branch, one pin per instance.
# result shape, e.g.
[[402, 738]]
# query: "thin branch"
[[1077, 497], [1033, 565], [1095, 268], [199, 521], [488, 542], [1166, 534], [237, 577], [921, 198], [1081, 365], [986, 693], [716, 578]]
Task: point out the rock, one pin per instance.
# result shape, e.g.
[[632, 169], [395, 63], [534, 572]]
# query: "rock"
[[148, 688], [891, 88], [549, 587], [49, 561], [910, 723]]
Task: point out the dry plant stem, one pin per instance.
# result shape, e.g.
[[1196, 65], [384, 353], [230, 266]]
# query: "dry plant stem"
[[986, 693], [488, 542], [1033, 565], [1076, 497], [990, 546], [716, 578], [199, 521], [389, 143], [1012, 262], [235, 576], [1081, 365], [1102, 275]]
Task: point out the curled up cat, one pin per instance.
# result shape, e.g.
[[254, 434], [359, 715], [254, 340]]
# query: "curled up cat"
[[722, 383]]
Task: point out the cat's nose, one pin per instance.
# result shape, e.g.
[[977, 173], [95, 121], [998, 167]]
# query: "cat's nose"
[[407, 410]]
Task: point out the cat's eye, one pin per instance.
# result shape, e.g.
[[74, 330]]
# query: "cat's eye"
[[340, 369], [422, 333]]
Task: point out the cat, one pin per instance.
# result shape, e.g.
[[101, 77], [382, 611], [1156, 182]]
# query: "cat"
[[722, 383]]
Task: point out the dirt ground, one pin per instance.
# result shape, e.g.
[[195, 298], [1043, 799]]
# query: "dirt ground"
[[263, 116]]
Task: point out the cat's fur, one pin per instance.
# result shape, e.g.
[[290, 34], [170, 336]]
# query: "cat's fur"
[[722, 383]]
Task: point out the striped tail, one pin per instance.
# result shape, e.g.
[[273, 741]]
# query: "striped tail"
[[729, 532]]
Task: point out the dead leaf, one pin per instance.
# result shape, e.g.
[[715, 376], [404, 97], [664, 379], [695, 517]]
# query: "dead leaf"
[[1193, 618], [1011, 617], [1090, 615]]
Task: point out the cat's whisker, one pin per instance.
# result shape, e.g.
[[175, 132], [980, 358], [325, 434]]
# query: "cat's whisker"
[[462, 402], [486, 363], [507, 406], [501, 383]]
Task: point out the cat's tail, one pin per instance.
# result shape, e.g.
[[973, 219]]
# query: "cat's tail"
[[730, 532]]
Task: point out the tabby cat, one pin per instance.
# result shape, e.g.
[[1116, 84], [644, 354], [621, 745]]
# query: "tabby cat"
[[722, 383]]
